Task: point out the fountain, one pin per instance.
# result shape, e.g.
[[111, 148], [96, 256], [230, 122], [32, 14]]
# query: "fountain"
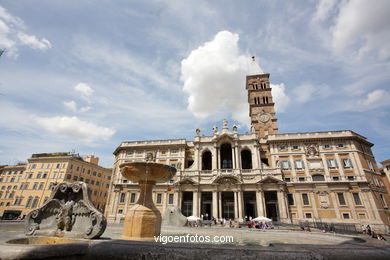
[[143, 220]]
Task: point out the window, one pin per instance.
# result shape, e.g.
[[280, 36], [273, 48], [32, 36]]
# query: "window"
[[83, 170], [290, 198], [89, 172], [340, 145], [370, 165], [298, 164], [122, 198], [301, 178], [51, 186], [318, 177], [35, 185], [68, 176], [86, 181], [78, 168], [170, 198], [92, 182], [57, 166], [255, 86], [159, 198], [94, 173], [305, 199], [347, 163], [35, 202], [307, 215], [341, 198], [99, 174], [71, 166], [29, 201], [132, 198], [81, 179], [356, 198], [63, 165], [97, 183], [46, 198], [351, 178], [332, 164], [287, 179], [345, 215], [130, 153], [44, 176], [282, 148], [174, 151], [336, 178], [295, 147], [285, 164], [120, 211], [30, 176], [75, 178], [41, 186], [163, 152], [95, 193], [383, 201]]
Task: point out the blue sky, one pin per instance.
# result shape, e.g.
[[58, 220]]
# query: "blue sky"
[[86, 75]]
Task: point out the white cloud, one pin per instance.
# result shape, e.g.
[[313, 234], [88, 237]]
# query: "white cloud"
[[376, 98], [75, 128], [214, 78], [71, 105], [280, 98], [85, 109], [324, 8], [33, 42], [309, 92], [360, 28], [13, 35], [85, 91]]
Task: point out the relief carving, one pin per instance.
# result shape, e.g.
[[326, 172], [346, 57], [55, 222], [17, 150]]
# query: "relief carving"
[[67, 213]]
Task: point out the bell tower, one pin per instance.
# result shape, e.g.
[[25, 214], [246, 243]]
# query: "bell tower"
[[261, 105]]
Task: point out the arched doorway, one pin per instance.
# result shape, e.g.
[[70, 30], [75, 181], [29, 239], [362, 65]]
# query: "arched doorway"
[[246, 159], [226, 156], [206, 161]]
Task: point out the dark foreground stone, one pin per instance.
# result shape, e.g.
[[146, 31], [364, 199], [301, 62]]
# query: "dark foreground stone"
[[122, 249]]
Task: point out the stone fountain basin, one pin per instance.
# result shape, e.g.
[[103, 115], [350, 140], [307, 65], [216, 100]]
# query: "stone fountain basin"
[[141, 171], [44, 241]]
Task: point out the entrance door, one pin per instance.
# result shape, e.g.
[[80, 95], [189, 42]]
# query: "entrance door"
[[250, 204], [186, 207], [228, 205], [206, 202], [271, 205]]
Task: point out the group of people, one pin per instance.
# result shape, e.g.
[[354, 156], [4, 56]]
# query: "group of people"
[[367, 230]]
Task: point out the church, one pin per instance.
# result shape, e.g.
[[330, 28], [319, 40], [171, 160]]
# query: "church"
[[325, 176]]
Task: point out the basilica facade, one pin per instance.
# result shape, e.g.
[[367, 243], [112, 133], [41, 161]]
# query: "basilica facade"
[[327, 176]]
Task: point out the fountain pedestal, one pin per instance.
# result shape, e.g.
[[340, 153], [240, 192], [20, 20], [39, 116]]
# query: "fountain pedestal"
[[143, 220]]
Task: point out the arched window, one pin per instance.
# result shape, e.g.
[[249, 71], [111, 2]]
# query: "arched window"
[[206, 160], [318, 177], [226, 156], [246, 159]]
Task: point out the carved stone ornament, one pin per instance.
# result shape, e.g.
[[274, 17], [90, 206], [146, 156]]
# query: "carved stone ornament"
[[312, 150], [323, 198], [67, 213]]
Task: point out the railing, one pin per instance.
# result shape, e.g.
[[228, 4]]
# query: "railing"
[[345, 228], [332, 178]]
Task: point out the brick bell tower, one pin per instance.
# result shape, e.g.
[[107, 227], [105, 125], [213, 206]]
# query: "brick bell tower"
[[261, 105]]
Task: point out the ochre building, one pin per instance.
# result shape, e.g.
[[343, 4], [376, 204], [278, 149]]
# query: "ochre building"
[[27, 186], [327, 177]]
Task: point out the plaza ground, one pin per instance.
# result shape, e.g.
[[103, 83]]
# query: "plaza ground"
[[280, 243]]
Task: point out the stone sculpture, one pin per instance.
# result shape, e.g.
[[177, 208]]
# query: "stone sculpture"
[[173, 217], [67, 213]]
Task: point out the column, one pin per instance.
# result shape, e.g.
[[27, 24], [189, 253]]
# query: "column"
[[235, 205], [339, 165], [260, 203], [165, 196], [115, 204], [176, 198], [335, 205], [220, 204], [234, 157], [194, 204], [240, 206], [282, 205], [238, 162], [298, 201], [214, 156], [126, 202], [215, 204]]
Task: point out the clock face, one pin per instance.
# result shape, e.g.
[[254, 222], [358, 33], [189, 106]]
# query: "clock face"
[[264, 118]]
